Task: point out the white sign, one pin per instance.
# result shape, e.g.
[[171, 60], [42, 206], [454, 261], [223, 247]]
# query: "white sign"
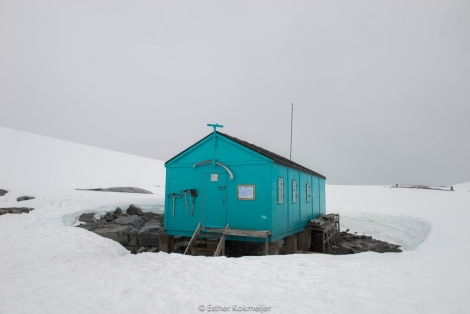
[[246, 192]]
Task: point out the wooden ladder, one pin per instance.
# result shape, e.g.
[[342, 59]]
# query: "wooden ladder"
[[220, 235], [221, 245], [193, 238]]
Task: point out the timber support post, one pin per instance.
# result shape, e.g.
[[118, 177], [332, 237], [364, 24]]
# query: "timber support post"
[[166, 243]]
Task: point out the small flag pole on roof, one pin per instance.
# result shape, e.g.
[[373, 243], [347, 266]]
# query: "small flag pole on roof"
[[215, 126]]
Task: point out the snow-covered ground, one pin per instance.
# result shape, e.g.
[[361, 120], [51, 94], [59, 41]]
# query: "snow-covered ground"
[[49, 266]]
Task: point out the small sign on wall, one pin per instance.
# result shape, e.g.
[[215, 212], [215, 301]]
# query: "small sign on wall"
[[246, 192], [214, 177]]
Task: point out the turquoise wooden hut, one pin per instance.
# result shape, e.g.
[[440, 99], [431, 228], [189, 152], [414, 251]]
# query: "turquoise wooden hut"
[[222, 182]]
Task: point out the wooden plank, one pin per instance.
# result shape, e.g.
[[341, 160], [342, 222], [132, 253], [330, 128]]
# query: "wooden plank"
[[248, 233], [240, 232], [221, 246], [196, 233]]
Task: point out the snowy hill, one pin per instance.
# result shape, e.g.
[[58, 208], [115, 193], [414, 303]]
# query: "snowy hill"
[[462, 187], [33, 161], [49, 266]]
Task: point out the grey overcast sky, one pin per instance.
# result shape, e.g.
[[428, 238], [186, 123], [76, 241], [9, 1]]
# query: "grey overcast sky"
[[381, 89]]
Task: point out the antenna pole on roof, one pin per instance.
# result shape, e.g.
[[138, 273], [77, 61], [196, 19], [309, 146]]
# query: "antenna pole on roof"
[[291, 121]]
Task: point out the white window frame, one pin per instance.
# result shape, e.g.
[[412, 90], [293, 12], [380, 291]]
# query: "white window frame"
[[294, 191], [280, 190], [246, 192], [308, 191]]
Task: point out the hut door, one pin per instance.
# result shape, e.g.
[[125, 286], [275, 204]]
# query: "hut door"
[[214, 200]]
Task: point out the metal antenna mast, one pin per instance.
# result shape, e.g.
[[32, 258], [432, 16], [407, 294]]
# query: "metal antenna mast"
[[291, 121]]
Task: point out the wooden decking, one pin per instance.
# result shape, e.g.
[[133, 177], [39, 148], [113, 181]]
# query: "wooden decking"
[[221, 235], [242, 232]]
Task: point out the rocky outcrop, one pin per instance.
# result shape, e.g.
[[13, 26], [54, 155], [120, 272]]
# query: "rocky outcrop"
[[124, 189], [15, 210], [134, 210], [136, 230], [90, 217], [24, 198], [149, 234], [349, 243]]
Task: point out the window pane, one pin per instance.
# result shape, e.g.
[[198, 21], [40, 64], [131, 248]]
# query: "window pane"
[[280, 190], [308, 192], [294, 191]]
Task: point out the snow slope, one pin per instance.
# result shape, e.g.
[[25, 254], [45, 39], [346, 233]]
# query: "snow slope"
[[34, 162], [49, 266]]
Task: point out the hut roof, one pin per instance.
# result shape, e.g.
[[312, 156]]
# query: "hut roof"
[[278, 159]]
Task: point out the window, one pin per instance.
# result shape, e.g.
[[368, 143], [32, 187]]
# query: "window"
[[280, 190], [294, 191], [246, 192], [308, 192]]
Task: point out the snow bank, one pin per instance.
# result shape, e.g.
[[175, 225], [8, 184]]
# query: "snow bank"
[[407, 231]]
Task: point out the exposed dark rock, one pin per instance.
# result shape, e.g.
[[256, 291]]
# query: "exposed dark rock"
[[150, 216], [134, 210], [88, 217], [109, 216], [25, 198], [3, 192], [424, 187], [133, 240], [138, 231], [350, 244], [20, 210], [119, 233], [15, 210], [149, 233], [126, 189], [91, 226], [132, 220]]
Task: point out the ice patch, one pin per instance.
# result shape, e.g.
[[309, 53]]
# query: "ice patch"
[[407, 231]]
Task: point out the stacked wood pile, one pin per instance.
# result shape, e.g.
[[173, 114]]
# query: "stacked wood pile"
[[324, 232]]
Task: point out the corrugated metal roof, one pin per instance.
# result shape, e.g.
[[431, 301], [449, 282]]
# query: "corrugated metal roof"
[[275, 157]]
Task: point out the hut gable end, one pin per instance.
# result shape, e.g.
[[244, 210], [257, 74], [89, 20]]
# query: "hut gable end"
[[259, 150], [226, 148]]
